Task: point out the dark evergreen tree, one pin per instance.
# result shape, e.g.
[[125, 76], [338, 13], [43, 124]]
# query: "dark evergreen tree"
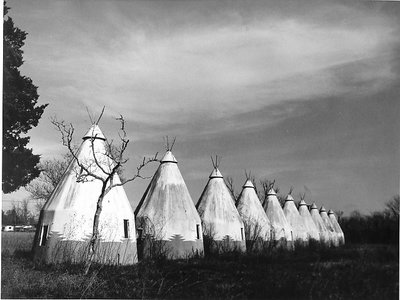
[[20, 111]]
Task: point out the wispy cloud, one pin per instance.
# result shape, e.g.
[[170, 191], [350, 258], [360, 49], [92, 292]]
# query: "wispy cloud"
[[225, 77], [183, 70]]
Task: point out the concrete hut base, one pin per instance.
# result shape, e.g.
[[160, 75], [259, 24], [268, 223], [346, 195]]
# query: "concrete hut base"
[[282, 244], [223, 246], [301, 243], [258, 245], [57, 250], [175, 248]]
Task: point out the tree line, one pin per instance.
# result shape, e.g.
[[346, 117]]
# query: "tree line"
[[381, 227], [19, 214]]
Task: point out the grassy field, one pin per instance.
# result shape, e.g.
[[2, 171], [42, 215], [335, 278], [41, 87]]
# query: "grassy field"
[[351, 272], [16, 241]]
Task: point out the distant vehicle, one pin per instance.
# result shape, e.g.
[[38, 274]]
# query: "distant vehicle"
[[29, 228], [19, 228], [7, 228]]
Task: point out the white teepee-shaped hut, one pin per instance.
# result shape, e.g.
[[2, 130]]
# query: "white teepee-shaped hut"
[[334, 237], [222, 224], [336, 226], [282, 232], [295, 220], [166, 217], [66, 220], [256, 223], [312, 230], [324, 235]]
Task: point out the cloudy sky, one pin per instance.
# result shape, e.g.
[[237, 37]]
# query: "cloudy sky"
[[303, 92]]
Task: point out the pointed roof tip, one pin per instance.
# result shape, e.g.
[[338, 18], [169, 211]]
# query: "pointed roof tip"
[[216, 174], [94, 132], [289, 198], [314, 206], [330, 212], [322, 209], [248, 184], [271, 192], [302, 202], [169, 157]]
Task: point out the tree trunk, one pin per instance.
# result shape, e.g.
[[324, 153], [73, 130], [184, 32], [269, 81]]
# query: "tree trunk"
[[95, 234]]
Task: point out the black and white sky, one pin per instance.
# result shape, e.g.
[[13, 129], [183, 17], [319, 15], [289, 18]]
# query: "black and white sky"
[[304, 92]]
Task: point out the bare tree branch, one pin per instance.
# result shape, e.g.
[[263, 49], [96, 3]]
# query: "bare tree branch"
[[231, 188], [67, 133], [144, 163], [98, 164], [89, 170]]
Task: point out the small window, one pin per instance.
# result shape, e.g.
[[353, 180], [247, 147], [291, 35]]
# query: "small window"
[[198, 231], [139, 233], [43, 236], [241, 231], [126, 228]]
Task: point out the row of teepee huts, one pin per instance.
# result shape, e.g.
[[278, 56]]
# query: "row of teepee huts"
[[166, 221]]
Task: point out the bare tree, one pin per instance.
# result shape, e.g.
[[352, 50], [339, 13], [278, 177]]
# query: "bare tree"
[[52, 171], [19, 214], [255, 241], [258, 190], [42, 187], [393, 206], [231, 187], [266, 185], [95, 169], [25, 212], [339, 215]]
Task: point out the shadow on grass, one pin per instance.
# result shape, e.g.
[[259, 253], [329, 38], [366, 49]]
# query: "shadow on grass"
[[354, 271]]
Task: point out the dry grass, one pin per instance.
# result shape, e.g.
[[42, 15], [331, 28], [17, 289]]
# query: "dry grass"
[[351, 272], [16, 241]]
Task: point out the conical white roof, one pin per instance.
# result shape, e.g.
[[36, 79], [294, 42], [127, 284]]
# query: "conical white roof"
[[169, 157], [218, 212], [166, 209], [280, 226], [289, 198], [216, 174], [312, 229], [334, 237], [295, 220], [336, 226], [70, 210], [252, 213], [319, 223], [94, 132], [248, 184]]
